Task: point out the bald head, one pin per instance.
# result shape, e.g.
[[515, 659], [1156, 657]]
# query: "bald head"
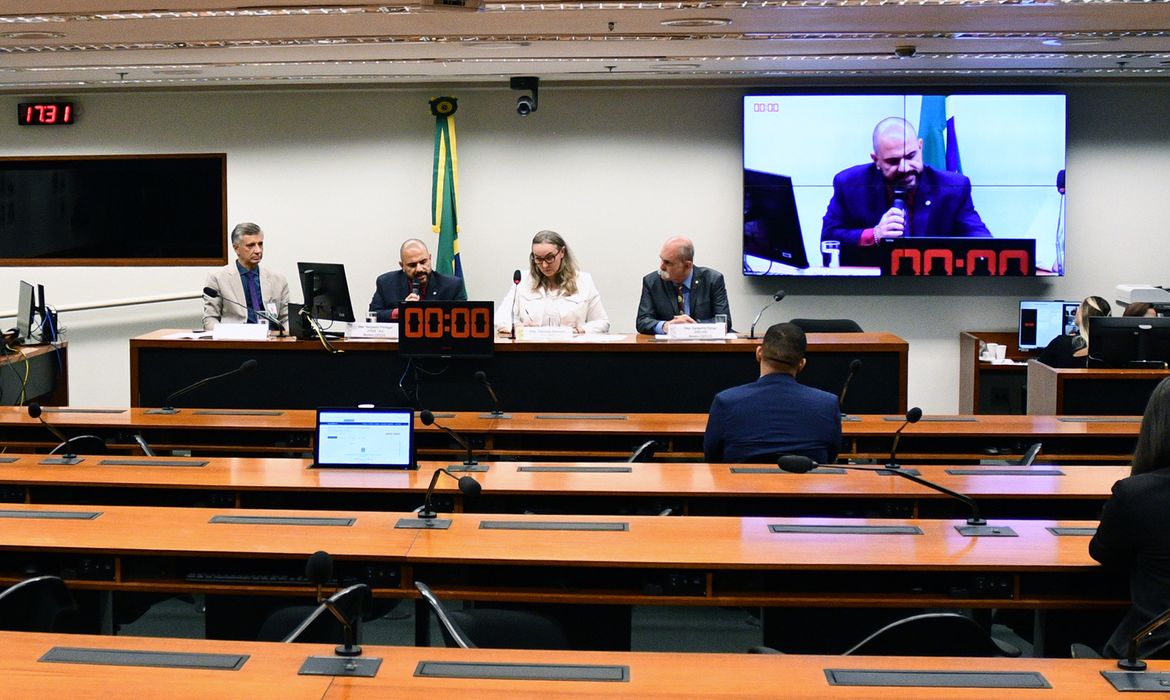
[[415, 260], [897, 152], [676, 259]]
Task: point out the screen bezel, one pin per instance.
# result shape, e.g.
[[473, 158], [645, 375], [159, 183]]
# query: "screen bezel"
[[1105, 330], [1064, 305], [334, 287], [372, 410]]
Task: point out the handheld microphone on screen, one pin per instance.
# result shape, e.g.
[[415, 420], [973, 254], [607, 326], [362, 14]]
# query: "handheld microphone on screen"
[[427, 517], [976, 526], [273, 321], [515, 299], [854, 366], [68, 456], [428, 418], [415, 288], [168, 405], [912, 416], [775, 298], [481, 376]]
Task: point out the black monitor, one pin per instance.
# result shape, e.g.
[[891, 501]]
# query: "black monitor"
[[1041, 321], [325, 290], [25, 308], [771, 229], [446, 329], [1129, 341]]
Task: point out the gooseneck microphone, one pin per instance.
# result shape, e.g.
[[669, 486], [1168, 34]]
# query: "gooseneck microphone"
[[775, 298], [213, 293], [853, 367], [467, 486], [1131, 662], [515, 299], [319, 570], [912, 416], [168, 405], [976, 525], [68, 457], [428, 418], [481, 376]]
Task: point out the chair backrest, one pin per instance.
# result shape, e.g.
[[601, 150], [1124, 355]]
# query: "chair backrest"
[[315, 624], [932, 634], [35, 605], [644, 452], [1030, 455], [827, 325], [452, 632]]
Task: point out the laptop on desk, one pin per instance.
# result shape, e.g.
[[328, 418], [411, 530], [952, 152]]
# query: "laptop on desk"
[[365, 438]]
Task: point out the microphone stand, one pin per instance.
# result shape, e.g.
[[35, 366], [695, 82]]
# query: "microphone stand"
[[428, 418], [69, 458], [496, 413], [515, 300], [1131, 662], [854, 366], [775, 298], [169, 410], [427, 518]]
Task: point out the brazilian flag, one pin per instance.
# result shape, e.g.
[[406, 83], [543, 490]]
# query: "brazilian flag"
[[445, 188], [940, 141]]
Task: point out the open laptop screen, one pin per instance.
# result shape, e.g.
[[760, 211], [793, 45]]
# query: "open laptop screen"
[[365, 437]]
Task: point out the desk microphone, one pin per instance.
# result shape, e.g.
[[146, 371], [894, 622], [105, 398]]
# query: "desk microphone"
[[1131, 662], [262, 313], [69, 457], [414, 287], [912, 416], [515, 299], [319, 570], [428, 418], [853, 367], [481, 376], [467, 486], [976, 525], [775, 298], [169, 409]]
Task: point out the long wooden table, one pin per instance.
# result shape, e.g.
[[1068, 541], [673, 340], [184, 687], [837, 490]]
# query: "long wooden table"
[[634, 373], [576, 487], [270, 671], [550, 435]]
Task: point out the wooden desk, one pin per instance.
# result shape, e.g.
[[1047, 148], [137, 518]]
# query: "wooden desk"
[[1081, 391], [989, 388], [624, 375], [35, 373], [582, 436], [271, 672], [689, 488]]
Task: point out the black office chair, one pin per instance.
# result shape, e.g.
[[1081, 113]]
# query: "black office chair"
[[826, 325], [314, 623], [492, 628], [1030, 454], [644, 452], [40, 604], [932, 634]]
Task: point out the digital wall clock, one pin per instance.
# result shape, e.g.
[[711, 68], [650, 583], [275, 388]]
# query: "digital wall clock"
[[45, 113]]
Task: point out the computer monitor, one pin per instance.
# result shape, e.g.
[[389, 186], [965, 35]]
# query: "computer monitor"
[[325, 290], [1041, 321], [1128, 341], [770, 224], [25, 308], [365, 437]]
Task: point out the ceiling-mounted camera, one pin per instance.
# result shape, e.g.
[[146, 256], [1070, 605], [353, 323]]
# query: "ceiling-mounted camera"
[[526, 104], [905, 51]]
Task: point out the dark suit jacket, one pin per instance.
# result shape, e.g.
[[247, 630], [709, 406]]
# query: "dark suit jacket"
[[942, 206], [774, 415], [659, 302], [1133, 538], [392, 287]]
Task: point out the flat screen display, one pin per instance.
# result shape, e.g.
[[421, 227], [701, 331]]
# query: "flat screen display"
[[447, 329], [903, 185], [365, 437], [1041, 321]]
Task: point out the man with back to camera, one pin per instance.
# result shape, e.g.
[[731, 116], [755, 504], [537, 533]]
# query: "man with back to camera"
[[680, 292], [397, 286], [774, 415], [861, 213], [245, 283]]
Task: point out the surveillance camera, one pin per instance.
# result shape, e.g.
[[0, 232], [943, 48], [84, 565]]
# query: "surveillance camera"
[[524, 105], [905, 51]]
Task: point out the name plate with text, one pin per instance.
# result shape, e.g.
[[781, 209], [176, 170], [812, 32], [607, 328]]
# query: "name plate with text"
[[544, 333], [383, 331], [697, 331], [240, 331]]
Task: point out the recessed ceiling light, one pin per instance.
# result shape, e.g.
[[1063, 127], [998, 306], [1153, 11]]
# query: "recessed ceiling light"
[[674, 66], [697, 22], [1082, 41], [496, 45], [32, 35]]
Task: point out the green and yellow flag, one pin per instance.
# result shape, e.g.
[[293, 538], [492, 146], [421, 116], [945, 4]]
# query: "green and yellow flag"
[[445, 188]]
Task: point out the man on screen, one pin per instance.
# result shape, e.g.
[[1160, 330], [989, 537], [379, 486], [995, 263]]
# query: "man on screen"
[[774, 415], [243, 285], [680, 292], [416, 280], [864, 211]]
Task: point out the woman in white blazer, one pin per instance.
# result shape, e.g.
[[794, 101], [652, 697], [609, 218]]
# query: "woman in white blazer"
[[554, 292]]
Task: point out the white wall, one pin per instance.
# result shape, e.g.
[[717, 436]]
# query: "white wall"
[[344, 176]]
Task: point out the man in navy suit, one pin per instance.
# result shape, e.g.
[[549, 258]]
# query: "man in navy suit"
[[861, 213], [775, 415], [416, 280], [680, 292]]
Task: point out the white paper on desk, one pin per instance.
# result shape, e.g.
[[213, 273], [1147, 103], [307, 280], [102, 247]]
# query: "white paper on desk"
[[240, 331], [188, 335]]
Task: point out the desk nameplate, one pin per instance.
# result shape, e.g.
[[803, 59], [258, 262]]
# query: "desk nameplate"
[[882, 678], [280, 520], [523, 672], [553, 525], [153, 659]]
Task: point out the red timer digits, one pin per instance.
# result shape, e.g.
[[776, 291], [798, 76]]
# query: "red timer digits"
[[44, 113]]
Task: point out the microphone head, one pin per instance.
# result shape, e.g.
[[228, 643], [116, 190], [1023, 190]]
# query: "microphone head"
[[854, 366], [210, 292], [469, 486], [914, 415], [248, 365], [426, 417], [319, 568], [34, 410], [778, 295], [480, 376], [516, 277], [796, 464]]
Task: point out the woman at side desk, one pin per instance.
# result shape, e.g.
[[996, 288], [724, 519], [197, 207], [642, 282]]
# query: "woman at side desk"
[[1134, 534], [555, 292], [1072, 351]]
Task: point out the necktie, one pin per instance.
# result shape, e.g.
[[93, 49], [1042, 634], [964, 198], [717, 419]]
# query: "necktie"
[[678, 290], [254, 292]]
